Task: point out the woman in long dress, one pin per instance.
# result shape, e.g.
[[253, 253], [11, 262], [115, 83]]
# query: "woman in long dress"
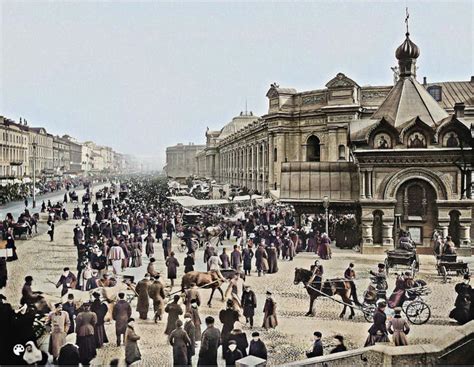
[[378, 331], [399, 327]]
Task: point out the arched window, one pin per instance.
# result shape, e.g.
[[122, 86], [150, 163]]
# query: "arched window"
[[342, 152], [275, 155], [313, 149]]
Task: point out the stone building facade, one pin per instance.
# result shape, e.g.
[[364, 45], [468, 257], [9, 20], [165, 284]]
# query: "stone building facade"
[[13, 150], [181, 160], [399, 156]]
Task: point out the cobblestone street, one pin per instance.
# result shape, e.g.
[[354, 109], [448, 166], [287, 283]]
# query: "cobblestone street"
[[45, 260]]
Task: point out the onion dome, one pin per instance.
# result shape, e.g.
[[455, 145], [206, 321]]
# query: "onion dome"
[[407, 50]]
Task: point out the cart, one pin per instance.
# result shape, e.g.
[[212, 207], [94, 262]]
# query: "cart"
[[447, 264], [417, 311], [402, 258]]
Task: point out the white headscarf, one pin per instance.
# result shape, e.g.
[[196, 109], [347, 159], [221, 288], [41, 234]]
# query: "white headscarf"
[[34, 356]]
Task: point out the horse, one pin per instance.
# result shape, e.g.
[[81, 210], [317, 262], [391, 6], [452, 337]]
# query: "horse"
[[331, 287], [208, 280]]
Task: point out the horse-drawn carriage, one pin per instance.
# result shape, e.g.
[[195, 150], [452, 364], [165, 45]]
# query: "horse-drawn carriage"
[[447, 264], [413, 306], [21, 230], [402, 258], [73, 197]]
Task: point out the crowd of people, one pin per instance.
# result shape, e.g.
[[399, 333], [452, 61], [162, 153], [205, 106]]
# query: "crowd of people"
[[118, 234]]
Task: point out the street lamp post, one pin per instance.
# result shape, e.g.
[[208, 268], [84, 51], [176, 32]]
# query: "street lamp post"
[[34, 173], [326, 210]]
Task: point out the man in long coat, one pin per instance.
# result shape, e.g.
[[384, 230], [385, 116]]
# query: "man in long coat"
[[143, 303], [70, 308], [173, 310], [260, 259], [228, 317], [272, 259], [172, 264], [249, 303], [132, 352], [121, 313], [180, 342], [191, 331], [156, 291], [100, 309], [59, 321], [209, 344], [235, 258]]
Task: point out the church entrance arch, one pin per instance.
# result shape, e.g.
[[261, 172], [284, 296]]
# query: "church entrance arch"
[[417, 209]]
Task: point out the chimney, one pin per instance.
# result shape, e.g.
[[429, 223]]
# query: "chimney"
[[424, 81], [459, 109]]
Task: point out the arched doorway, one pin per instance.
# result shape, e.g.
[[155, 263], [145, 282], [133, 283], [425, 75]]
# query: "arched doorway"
[[417, 209], [454, 226], [313, 149], [377, 227]]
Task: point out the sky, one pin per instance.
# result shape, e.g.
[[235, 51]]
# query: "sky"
[[143, 75]]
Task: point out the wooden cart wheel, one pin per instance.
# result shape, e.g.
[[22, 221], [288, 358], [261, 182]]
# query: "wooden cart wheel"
[[368, 309], [418, 312]]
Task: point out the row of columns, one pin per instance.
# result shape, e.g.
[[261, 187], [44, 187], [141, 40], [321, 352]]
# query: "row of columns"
[[246, 166], [366, 183]]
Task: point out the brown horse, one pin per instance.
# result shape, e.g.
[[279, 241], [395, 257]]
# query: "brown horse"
[[209, 280], [332, 287]]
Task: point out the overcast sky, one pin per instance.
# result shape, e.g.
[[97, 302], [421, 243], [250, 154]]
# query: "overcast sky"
[[140, 76]]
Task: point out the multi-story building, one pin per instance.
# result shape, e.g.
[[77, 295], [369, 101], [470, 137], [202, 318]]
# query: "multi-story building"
[[398, 156], [181, 160], [14, 161], [61, 155], [40, 150], [75, 155]]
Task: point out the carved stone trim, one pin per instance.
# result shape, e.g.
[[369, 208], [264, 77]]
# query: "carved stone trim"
[[390, 185]]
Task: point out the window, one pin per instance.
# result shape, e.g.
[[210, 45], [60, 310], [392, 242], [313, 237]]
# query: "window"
[[342, 152], [275, 155], [435, 92], [415, 196], [313, 149]]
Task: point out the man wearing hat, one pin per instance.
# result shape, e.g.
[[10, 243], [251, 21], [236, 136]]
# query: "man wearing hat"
[[100, 309], [143, 302], [232, 354], [210, 343], [228, 317], [132, 352], [180, 342], [270, 320], [59, 321], [121, 313], [317, 348], [174, 311], [380, 279], [340, 347], [156, 291], [67, 281], [70, 308], [257, 347], [249, 303]]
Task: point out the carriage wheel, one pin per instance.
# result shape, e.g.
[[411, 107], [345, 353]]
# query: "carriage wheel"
[[368, 309], [387, 266], [418, 312], [444, 273]]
